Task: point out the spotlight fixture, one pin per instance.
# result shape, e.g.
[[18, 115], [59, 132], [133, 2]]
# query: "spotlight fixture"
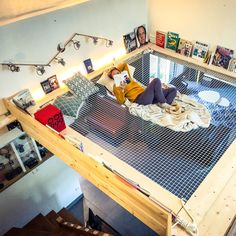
[[110, 43], [76, 44], [61, 47], [13, 68], [60, 61], [40, 70], [95, 40]]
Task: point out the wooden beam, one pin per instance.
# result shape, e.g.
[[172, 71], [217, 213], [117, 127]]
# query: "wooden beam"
[[221, 212], [6, 120], [213, 203], [39, 10], [152, 214]]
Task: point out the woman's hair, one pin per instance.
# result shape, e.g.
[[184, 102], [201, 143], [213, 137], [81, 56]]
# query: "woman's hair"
[[111, 70]]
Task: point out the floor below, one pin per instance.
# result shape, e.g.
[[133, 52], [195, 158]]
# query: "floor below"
[[112, 213]]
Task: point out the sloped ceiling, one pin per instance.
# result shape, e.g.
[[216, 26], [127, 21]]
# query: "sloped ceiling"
[[15, 10]]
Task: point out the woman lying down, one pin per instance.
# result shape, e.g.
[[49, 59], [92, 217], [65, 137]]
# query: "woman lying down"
[[155, 92], [175, 111]]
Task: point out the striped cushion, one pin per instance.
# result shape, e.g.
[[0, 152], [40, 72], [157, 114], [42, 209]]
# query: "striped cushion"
[[81, 86], [69, 104]]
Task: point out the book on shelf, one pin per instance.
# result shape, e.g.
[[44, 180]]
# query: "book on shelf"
[[141, 34], [185, 47], [232, 65], [161, 39], [172, 41], [200, 51], [25, 101], [208, 58], [130, 42], [222, 57]]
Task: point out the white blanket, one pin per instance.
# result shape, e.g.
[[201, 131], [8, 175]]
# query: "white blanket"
[[189, 115]]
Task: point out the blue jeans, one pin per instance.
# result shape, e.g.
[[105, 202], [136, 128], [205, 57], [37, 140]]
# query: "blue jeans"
[[154, 93]]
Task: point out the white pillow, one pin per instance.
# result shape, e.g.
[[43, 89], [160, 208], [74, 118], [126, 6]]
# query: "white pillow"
[[108, 82]]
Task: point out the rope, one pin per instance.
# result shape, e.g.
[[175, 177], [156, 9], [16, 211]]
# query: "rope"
[[190, 227]]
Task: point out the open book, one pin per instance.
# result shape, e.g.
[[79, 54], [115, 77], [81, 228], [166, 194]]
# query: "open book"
[[123, 76]]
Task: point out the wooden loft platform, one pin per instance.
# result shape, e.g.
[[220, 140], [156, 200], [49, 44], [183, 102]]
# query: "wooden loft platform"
[[212, 206], [157, 217]]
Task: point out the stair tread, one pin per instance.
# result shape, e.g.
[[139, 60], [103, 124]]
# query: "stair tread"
[[62, 231], [26, 232], [40, 223], [68, 216], [52, 216]]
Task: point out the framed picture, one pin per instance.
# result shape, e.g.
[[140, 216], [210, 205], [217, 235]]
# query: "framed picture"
[[53, 82], [141, 35], [50, 84], [130, 42], [88, 65], [46, 86]]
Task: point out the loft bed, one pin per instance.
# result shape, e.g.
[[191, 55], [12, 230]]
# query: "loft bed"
[[164, 200]]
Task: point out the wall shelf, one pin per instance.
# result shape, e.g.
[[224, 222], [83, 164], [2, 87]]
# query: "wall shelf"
[[10, 136], [191, 62], [8, 183], [19, 150]]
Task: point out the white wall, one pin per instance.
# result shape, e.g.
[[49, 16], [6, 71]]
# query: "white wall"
[[35, 40], [209, 21], [51, 186]]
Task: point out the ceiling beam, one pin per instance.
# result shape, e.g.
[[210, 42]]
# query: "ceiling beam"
[[13, 10]]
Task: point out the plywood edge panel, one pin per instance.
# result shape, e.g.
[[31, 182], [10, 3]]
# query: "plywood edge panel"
[[219, 216], [206, 198]]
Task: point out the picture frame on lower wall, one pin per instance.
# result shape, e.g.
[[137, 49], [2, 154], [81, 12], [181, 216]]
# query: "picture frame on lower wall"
[[88, 65], [46, 86], [50, 84]]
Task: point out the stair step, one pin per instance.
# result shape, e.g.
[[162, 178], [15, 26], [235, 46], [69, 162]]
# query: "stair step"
[[68, 216], [52, 216], [40, 223], [62, 231], [26, 232], [83, 231]]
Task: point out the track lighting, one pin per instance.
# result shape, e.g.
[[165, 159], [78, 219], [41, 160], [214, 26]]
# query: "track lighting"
[[95, 40], [13, 68], [61, 61], [76, 44], [110, 43], [40, 70], [61, 47]]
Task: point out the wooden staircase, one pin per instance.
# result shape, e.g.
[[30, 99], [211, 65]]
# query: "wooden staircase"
[[62, 223]]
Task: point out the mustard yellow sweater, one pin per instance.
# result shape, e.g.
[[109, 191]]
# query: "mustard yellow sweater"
[[131, 92]]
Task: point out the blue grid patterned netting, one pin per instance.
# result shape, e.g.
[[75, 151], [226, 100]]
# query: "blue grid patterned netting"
[[177, 161]]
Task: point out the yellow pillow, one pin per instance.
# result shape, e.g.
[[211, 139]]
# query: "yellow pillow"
[[108, 82]]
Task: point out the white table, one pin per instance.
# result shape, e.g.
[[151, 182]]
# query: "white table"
[[213, 97]]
